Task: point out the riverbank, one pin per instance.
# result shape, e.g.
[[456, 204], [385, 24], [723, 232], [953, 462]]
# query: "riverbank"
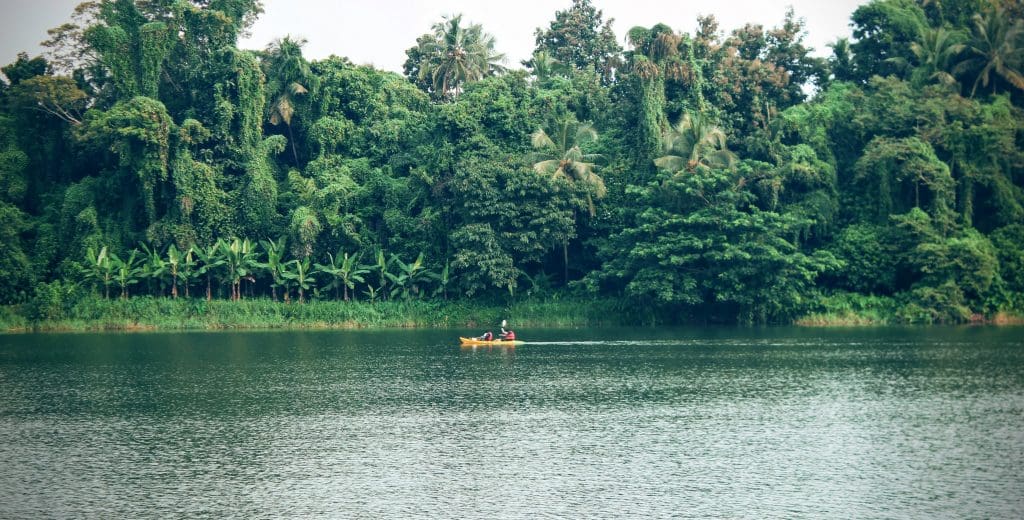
[[147, 313]]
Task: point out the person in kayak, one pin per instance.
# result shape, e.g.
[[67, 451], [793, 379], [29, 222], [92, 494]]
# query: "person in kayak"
[[506, 335], [487, 336]]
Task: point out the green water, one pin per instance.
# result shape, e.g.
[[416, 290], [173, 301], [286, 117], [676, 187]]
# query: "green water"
[[755, 423]]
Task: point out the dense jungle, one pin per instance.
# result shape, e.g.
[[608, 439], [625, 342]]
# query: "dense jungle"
[[682, 173]]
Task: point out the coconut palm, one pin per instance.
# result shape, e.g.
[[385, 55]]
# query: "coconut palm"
[[692, 142], [934, 52], [288, 76], [559, 154], [995, 46], [457, 54]]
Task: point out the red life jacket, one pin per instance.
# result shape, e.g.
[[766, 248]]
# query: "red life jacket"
[[510, 335]]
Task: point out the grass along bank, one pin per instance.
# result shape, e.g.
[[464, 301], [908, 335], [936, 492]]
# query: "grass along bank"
[[149, 313]]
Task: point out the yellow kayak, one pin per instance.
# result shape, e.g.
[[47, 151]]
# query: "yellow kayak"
[[500, 342]]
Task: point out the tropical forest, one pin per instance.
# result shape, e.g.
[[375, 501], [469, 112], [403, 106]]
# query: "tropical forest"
[[154, 173]]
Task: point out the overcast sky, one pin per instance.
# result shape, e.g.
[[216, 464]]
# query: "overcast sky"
[[378, 32]]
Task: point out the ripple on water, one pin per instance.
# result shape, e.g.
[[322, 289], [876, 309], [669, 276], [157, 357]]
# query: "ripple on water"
[[400, 425]]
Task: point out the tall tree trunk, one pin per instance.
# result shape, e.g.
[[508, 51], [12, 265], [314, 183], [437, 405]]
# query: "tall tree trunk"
[[565, 260], [291, 138]]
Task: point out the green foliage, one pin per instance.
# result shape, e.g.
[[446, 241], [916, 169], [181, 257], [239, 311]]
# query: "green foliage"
[[883, 30], [580, 38], [895, 194], [868, 257], [452, 56], [703, 245]]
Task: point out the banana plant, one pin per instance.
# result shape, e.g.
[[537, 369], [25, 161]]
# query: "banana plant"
[[406, 283], [99, 268], [443, 279], [153, 268], [344, 271], [126, 272], [274, 265], [188, 268], [174, 258], [383, 274], [210, 260], [299, 276], [238, 263]]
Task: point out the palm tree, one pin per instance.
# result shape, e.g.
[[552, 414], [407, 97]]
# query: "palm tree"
[[188, 268], [694, 141], [543, 65], [995, 46], [841, 61], [383, 274], [288, 76], [457, 54], [935, 52], [559, 154]]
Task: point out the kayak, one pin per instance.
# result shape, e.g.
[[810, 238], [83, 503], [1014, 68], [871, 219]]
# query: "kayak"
[[500, 342]]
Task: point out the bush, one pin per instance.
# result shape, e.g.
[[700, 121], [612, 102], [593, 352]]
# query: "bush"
[[51, 301]]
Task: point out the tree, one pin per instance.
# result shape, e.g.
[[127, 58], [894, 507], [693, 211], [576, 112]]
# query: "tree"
[[454, 55], [702, 248], [578, 37], [695, 141], [288, 76], [57, 96], [935, 52], [559, 154], [996, 46], [882, 30]]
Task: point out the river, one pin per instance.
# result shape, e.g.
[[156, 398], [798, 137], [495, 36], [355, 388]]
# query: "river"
[[613, 423]]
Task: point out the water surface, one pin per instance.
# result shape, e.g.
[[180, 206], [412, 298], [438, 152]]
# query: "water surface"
[[783, 422]]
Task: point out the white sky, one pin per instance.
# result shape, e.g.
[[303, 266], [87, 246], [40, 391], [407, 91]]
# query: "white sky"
[[378, 32]]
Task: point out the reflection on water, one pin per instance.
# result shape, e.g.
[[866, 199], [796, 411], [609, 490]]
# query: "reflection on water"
[[613, 423]]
